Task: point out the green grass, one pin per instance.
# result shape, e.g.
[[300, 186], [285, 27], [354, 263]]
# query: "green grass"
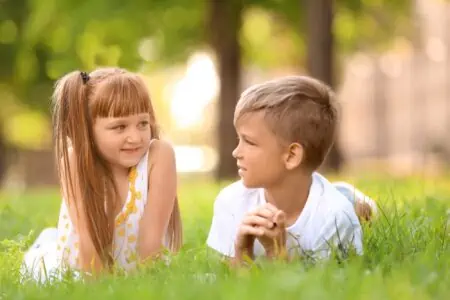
[[406, 253]]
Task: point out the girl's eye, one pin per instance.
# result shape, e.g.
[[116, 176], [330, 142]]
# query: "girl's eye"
[[144, 123], [119, 127]]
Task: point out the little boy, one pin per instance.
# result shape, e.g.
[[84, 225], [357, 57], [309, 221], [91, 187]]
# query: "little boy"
[[282, 206]]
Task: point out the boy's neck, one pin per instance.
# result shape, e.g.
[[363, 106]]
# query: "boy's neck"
[[290, 195]]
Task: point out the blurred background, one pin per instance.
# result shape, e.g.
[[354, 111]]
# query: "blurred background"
[[388, 60]]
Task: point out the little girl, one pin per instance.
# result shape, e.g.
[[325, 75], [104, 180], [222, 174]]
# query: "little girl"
[[118, 179]]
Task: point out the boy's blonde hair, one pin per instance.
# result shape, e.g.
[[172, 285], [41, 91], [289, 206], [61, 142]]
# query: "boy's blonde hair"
[[298, 109]]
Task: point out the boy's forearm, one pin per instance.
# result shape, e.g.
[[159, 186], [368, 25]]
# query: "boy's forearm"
[[278, 251], [280, 254], [242, 256]]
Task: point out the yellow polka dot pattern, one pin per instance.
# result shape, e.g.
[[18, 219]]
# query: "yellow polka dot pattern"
[[130, 206], [126, 224]]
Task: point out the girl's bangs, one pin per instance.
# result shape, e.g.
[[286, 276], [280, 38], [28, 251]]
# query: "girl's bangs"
[[120, 96]]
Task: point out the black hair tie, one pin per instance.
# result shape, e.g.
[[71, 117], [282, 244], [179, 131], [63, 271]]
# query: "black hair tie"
[[84, 76]]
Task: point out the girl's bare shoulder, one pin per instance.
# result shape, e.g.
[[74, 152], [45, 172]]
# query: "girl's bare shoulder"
[[160, 152]]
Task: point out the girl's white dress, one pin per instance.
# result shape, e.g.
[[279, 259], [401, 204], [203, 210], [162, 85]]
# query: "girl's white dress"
[[56, 249]]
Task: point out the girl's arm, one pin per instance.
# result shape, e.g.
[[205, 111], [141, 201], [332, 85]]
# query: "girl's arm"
[[162, 189]]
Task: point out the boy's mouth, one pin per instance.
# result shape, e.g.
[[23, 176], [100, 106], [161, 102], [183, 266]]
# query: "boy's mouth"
[[241, 169]]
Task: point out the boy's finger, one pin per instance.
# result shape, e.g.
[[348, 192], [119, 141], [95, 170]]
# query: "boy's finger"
[[280, 218], [263, 212], [266, 213], [253, 220], [273, 233], [271, 207], [245, 229]]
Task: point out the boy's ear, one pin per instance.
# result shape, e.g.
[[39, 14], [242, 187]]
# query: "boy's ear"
[[294, 156]]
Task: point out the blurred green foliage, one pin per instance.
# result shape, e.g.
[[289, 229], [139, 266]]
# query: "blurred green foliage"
[[40, 40]]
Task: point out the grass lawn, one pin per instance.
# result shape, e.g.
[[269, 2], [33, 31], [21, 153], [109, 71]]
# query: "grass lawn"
[[406, 256]]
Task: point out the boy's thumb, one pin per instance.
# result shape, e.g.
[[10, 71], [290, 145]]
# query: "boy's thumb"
[[280, 218]]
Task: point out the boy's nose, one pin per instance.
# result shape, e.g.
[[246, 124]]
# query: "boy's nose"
[[235, 152]]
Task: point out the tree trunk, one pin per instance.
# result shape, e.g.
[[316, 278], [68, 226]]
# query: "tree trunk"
[[320, 52], [225, 23], [2, 154], [380, 111]]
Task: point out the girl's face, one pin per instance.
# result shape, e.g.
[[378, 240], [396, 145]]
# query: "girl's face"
[[122, 141]]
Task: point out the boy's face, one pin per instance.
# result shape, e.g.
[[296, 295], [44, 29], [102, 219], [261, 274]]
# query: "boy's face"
[[259, 154]]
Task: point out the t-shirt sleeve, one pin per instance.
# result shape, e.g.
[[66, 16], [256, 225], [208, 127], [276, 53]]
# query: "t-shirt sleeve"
[[224, 225], [341, 231]]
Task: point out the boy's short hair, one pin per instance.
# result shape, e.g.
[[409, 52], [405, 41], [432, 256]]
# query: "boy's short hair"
[[298, 109]]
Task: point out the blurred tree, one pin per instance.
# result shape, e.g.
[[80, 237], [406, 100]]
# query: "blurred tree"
[[225, 19], [12, 13], [2, 156], [53, 37], [42, 40], [358, 25], [382, 21], [320, 56]]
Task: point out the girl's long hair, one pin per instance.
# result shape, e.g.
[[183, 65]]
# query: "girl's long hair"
[[77, 101]]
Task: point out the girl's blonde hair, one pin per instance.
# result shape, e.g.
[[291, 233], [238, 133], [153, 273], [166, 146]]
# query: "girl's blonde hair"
[[78, 99]]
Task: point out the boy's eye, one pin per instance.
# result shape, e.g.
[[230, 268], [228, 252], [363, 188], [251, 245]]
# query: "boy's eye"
[[250, 143], [245, 141]]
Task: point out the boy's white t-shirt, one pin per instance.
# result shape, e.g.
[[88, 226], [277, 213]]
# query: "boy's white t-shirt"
[[328, 218]]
